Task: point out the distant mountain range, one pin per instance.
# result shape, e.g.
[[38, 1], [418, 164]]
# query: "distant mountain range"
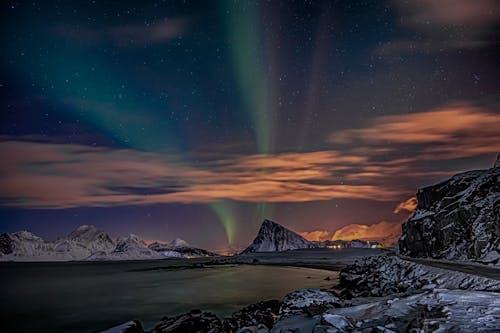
[[90, 243]]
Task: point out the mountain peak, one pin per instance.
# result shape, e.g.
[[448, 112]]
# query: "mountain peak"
[[275, 237], [178, 242], [85, 227]]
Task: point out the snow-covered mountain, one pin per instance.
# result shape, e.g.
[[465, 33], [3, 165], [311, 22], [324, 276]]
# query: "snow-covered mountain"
[[458, 219], [78, 245], [128, 248], [22, 244], [179, 248], [274, 237], [89, 243], [92, 238]]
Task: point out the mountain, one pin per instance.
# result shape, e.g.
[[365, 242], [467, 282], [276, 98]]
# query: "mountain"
[[92, 238], [458, 219], [274, 237], [89, 243], [128, 248], [179, 242], [22, 245], [79, 244], [179, 248]]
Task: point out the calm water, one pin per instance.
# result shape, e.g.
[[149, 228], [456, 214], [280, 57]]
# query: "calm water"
[[87, 297]]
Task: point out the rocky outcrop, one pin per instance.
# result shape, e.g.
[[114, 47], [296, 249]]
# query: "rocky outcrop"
[[458, 219], [439, 310], [256, 317], [195, 321], [133, 326], [274, 237], [386, 275], [497, 162]]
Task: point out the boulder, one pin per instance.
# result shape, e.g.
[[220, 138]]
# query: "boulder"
[[195, 321], [255, 315]]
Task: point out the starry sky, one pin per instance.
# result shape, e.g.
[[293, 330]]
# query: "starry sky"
[[197, 119]]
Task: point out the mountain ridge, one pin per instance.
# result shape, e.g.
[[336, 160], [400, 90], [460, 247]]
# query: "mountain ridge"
[[89, 243]]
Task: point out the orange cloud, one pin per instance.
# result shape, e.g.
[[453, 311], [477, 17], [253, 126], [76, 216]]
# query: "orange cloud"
[[385, 232], [316, 235], [455, 131], [409, 205], [47, 175]]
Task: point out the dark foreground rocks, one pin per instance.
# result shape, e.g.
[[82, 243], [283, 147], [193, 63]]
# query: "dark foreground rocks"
[[195, 321], [261, 314]]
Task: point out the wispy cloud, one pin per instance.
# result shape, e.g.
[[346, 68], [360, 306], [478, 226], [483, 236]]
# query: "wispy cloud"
[[444, 25], [409, 206], [159, 31], [454, 131], [48, 175], [370, 164]]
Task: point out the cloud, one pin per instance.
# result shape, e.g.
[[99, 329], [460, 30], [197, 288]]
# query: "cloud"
[[409, 205], [131, 34], [370, 165], [316, 235], [51, 175], [454, 131], [444, 25], [158, 32], [385, 232]]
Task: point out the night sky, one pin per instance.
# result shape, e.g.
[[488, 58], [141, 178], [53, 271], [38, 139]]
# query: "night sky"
[[197, 119]]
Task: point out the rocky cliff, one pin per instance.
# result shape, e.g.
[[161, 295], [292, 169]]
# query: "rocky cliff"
[[458, 219]]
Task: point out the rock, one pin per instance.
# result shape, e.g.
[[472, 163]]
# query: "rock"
[[133, 326], [274, 237], [262, 314], [438, 310], [253, 329], [308, 301], [497, 161], [341, 323], [195, 321], [458, 219], [385, 275]]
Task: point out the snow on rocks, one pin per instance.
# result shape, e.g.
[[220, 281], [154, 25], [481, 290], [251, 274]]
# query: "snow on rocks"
[[253, 318], [440, 310], [458, 219], [301, 310], [309, 301], [386, 275], [133, 326], [195, 321]]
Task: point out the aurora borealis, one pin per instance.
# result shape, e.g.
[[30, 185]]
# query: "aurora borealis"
[[197, 119]]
